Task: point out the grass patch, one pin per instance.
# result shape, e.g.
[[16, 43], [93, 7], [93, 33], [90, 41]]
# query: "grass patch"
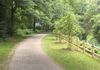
[[5, 48], [70, 60]]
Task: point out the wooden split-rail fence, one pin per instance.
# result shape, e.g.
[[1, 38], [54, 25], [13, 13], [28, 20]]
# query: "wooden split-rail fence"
[[82, 46]]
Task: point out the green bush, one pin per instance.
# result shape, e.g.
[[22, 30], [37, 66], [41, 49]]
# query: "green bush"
[[96, 51], [23, 32], [97, 32]]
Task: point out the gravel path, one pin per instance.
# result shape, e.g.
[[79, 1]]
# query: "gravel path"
[[30, 56]]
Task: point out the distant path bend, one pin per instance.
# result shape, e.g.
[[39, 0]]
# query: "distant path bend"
[[29, 55]]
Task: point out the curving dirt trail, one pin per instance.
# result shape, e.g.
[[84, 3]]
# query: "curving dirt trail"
[[29, 55]]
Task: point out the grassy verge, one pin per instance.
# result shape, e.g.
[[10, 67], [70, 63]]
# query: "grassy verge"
[[70, 60], [5, 48]]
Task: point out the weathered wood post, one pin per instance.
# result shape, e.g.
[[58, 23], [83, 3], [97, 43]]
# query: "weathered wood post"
[[83, 46], [93, 50], [56, 37], [59, 38], [78, 44]]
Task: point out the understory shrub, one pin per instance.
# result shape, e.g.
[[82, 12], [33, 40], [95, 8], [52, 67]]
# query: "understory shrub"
[[22, 32]]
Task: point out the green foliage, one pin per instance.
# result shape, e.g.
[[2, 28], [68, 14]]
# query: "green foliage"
[[97, 32], [68, 25], [23, 20], [23, 32], [88, 21], [24, 14]]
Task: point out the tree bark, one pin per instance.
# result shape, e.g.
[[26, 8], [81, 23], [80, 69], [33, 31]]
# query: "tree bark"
[[13, 9], [34, 25]]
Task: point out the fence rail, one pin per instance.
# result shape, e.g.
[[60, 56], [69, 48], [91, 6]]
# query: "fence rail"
[[84, 48]]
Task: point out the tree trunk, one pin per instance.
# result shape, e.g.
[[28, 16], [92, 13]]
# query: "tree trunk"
[[34, 24], [84, 36], [11, 28]]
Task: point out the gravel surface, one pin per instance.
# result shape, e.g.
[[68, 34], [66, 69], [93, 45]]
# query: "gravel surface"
[[29, 55]]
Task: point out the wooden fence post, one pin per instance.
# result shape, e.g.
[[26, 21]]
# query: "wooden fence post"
[[93, 50], [78, 44], [83, 46]]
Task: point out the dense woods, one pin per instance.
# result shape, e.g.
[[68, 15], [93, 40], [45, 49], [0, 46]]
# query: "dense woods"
[[65, 17], [70, 30]]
